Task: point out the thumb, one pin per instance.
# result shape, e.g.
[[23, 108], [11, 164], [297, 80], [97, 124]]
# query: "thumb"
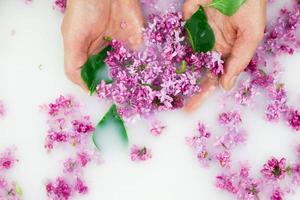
[[240, 56], [191, 6]]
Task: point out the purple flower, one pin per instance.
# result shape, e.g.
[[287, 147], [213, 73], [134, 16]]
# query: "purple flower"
[[203, 131], [60, 5], [274, 169], [245, 93], [293, 119], [277, 195], [224, 158], [68, 126], [140, 153], [62, 105], [160, 76], [80, 187], [157, 128], [9, 190], [66, 123], [2, 109], [295, 171], [262, 79], [298, 151], [226, 182], [59, 190], [7, 159], [230, 118]]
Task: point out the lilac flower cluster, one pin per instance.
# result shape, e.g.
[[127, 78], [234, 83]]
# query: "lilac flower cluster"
[[9, 190], [278, 177], [157, 128], [293, 118], [68, 127], [160, 76], [64, 187], [2, 109], [60, 5], [218, 150], [239, 184], [280, 38], [140, 153]]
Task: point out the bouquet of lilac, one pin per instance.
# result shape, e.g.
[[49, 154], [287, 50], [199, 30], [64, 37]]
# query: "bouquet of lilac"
[[162, 75]]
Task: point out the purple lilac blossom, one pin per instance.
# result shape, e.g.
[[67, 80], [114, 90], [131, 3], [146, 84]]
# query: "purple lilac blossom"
[[9, 190], [68, 127], [140, 153], [160, 76]]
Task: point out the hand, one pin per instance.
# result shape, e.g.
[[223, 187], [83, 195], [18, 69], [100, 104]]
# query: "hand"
[[87, 22], [237, 38]]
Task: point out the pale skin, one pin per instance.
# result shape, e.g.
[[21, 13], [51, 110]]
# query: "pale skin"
[[86, 22]]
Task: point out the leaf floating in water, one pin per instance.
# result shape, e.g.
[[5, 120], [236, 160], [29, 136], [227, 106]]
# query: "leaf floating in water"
[[111, 117]]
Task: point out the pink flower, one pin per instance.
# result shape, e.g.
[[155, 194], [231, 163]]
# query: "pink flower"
[[162, 75], [262, 79], [2, 109], [203, 131], [66, 124], [293, 118], [60, 5], [59, 190], [295, 171], [80, 187], [7, 159], [230, 118], [157, 128], [226, 182], [62, 105], [70, 165], [245, 93], [277, 195], [274, 169], [224, 158], [298, 151], [140, 153]]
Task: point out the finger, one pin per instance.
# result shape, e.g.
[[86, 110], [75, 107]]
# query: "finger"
[[97, 46], [189, 8], [75, 55], [240, 56], [208, 86]]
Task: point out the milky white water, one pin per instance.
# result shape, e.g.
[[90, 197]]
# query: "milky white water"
[[31, 73]]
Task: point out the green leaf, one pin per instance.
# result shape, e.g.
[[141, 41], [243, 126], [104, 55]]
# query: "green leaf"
[[227, 7], [112, 116], [199, 32], [95, 70]]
